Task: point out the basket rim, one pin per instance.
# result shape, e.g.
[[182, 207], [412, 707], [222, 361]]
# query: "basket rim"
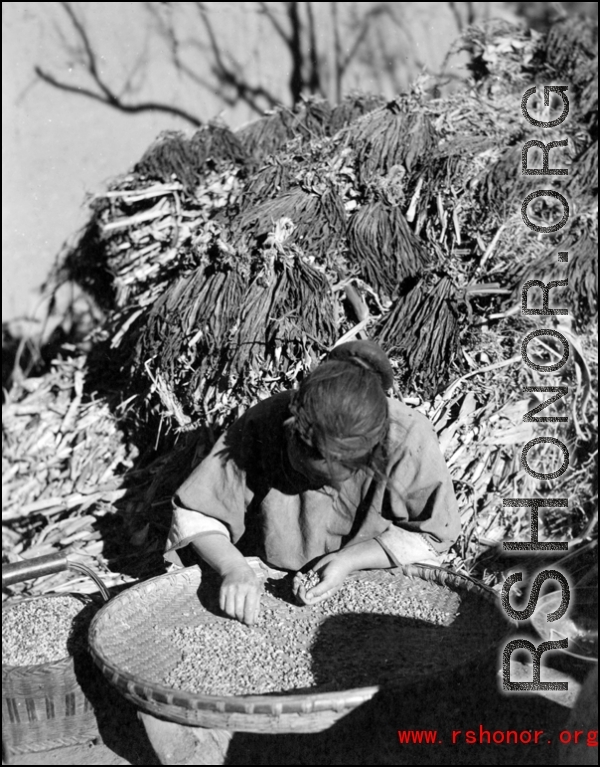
[[66, 660], [272, 704]]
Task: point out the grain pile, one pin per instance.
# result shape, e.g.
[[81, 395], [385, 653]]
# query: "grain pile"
[[228, 263], [363, 635], [308, 580], [44, 629]]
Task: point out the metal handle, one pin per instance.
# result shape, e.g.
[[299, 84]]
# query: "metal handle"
[[27, 569]]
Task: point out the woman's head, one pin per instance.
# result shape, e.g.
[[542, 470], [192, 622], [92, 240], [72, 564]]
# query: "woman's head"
[[340, 416]]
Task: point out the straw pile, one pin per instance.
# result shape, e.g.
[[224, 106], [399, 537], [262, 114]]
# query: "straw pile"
[[228, 263], [62, 457], [220, 238]]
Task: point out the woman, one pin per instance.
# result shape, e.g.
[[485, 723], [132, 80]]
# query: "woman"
[[335, 476]]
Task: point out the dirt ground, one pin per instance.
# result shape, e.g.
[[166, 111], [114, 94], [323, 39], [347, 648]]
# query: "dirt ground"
[[368, 735]]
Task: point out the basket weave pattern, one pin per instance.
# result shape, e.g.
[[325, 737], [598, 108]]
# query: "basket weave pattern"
[[44, 706], [127, 640]]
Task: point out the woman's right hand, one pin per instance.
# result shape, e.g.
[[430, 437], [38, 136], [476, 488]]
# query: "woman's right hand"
[[239, 596]]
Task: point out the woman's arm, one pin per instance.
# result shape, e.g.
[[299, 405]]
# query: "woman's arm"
[[239, 595], [419, 489], [334, 568]]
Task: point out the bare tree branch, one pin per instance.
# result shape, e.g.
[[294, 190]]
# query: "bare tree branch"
[[337, 49], [295, 46], [89, 51], [314, 78], [226, 74], [115, 102], [391, 10], [388, 64], [137, 67], [166, 29], [216, 89], [248, 93], [471, 15], [266, 11], [355, 46], [457, 17], [105, 93], [220, 71], [342, 62], [373, 13]]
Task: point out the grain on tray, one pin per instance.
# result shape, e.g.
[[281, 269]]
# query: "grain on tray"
[[309, 580], [352, 639], [44, 630]]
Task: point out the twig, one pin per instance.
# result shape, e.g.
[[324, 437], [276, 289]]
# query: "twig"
[[450, 390], [490, 248], [353, 332]]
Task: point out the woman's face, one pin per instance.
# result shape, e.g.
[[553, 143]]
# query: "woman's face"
[[309, 462]]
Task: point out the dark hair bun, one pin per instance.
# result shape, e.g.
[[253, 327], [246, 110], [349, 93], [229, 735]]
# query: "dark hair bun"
[[366, 354]]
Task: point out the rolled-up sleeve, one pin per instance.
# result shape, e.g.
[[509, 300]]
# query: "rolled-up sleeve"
[[186, 526], [406, 548], [214, 498]]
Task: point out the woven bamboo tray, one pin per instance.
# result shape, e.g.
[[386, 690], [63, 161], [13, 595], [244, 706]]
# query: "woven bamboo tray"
[[45, 706], [127, 642]]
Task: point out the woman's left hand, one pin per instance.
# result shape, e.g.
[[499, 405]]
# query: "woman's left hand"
[[332, 570]]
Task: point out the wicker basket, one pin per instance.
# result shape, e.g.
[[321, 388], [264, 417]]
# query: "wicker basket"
[[127, 642], [48, 705]]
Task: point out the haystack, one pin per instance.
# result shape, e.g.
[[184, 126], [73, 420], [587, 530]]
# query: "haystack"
[[415, 201], [227, 263]]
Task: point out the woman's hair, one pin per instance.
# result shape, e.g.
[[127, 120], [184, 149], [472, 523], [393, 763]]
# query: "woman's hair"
[[341, 408]]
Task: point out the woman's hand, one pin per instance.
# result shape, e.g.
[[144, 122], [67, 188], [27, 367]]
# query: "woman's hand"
[[239, 596], [332, 570]]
